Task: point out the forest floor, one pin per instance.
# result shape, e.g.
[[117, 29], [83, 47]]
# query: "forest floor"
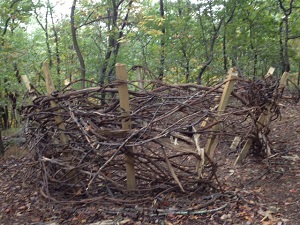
[[261, 191]]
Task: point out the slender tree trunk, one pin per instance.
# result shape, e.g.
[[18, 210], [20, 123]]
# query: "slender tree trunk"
[[76, 46], [57, 55], [253, 48], [45, 29], [113, 44], [187, 65], [47, 40], [4, 116], [298, 80], [286, 50], [281, 47], [212, 46], [284, 35], [162, 42], [1, 144], [187, 71], [225, 60]]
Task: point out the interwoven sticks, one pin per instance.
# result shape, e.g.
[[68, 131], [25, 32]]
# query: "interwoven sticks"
[[164, 121]]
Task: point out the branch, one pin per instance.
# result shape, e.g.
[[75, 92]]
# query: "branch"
[[294, 37], [187, 212], [93, 21]]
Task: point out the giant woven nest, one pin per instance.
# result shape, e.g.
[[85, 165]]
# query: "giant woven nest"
[[165, 119]]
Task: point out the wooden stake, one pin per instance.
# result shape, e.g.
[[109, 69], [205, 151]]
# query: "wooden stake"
[[213, 141], [270, 72], [126, 123], [58, 119]]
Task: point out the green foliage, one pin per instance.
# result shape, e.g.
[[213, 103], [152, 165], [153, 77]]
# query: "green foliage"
[[248, 38]]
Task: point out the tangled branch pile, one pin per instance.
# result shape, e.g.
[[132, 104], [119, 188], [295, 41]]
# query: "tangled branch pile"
[[165, 122]]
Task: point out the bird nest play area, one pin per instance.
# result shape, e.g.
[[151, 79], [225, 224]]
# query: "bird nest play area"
[[129, 145]]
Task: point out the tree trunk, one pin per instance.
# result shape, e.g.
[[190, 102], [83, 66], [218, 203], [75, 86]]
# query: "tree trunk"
[[57, 55], [187, 65], [162, 42], [225, 60], [113, 44], [45, 29], [298, 80], [76, 46], [284, 35], [1, 144], [212, 46]]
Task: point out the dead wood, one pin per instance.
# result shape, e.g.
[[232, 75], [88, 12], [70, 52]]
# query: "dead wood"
[[164, 122]]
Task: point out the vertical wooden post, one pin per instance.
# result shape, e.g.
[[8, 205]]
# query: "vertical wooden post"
[[213, 141], [58, 119], [126, 123]]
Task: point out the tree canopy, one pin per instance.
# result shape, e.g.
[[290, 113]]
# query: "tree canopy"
[[179, 41]]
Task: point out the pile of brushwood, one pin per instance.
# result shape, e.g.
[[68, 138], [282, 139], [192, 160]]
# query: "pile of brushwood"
[[165, 120]]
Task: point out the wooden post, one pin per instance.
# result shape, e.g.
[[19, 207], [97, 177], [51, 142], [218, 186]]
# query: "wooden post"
[[58, 119], [270, 72], [264, 118], [126, 123], [213, 141]]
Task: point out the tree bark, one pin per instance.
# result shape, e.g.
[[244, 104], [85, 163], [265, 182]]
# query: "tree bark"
[[4, 113], [1, 144], [216, 31], [57, 55], [45, 29], [212, 46], [284, 35], [162, 42], [76, 45], [113, 44], [225, 59]]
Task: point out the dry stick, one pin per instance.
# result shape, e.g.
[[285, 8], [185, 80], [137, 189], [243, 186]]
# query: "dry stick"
[[101, 198], [109, 160], [126, 124], [146, 136], [189, 100], [205, 204], [172, 170], [58, 119], [162, 212]]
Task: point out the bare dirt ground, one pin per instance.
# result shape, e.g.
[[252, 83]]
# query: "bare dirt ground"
[[261, 191]]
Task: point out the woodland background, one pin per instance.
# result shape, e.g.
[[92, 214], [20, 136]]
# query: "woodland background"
[[178, 41]]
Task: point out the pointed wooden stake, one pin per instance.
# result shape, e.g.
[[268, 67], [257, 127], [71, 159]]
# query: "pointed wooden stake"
[[213, 141], [126, 123]]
